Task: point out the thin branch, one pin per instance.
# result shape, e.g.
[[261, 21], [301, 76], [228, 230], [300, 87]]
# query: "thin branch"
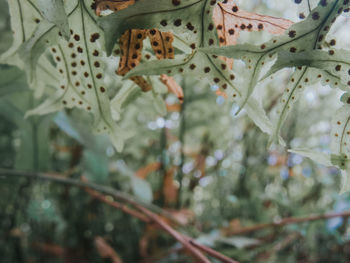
[[147, 216], [287, 221], [117, 205], [179, 237], [100, 188], [132, 212]]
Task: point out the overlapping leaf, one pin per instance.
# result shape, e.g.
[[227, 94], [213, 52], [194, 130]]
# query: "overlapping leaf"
[[306, 35], [192, 22]]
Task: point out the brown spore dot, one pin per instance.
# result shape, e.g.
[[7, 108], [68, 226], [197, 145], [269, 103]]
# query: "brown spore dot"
[[95, 53], [189, 26], [82, 62], [176, 2], [231, 31], [260, 26], [76, 37], [338, 68], [164, 23], [235, 9], [315, 16], [193, 46], [293, 49], [232, 77], [71, 45], [223, 66], [206, 69], [102, 89], [177, 22], [99, 76], [77, 83], [94, 37], [80, 50], [216, 80], [74, 73], [211, 26], [86, 74], [292, 33], [331, 52], [192, 66], [73, 55], [332, 42], [74, 64]]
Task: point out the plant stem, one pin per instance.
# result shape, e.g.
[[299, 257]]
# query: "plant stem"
[[289, 220], [147, 216]]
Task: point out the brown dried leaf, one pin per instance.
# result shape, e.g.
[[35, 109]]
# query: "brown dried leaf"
[[161, 43], [145, 171], [106, 251], [113, 5], [142, 83], [169, 187], [230, 21], [131, 44], [172, 86]]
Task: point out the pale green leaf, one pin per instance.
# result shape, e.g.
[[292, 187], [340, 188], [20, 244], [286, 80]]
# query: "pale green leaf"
[[53, 11], [319, 157], [79, 66]]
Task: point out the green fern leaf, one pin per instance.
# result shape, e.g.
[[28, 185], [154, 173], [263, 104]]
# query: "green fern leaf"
[[79, 66]]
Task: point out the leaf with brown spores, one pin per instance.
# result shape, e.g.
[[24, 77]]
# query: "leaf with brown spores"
[[230, 20], [161, 43], [131, 44]]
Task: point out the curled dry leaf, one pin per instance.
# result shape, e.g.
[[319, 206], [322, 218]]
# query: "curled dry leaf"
[[172, 86], [113, 5], [230, 21], [106, 251]]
